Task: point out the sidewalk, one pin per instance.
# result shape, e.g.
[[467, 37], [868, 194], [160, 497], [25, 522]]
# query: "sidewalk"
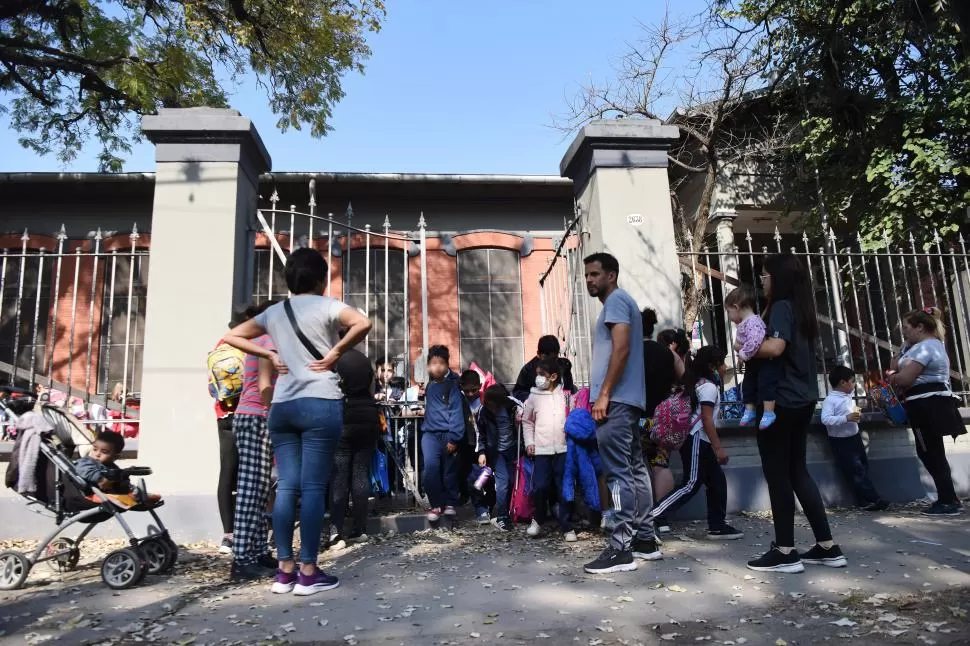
[[908, 582]]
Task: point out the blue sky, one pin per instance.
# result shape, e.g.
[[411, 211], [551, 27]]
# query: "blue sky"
[[452, 87]]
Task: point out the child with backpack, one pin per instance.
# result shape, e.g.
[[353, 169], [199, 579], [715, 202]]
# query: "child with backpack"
[[497, 450], [701, 453], [544, 431], [442, 433]]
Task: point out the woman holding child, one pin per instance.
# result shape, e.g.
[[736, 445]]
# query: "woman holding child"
[[307, 408], [791, 332]]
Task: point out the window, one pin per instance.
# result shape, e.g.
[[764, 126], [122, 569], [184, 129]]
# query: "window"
[[265, 260], [371, 299], [490, 311], [119, 332], [25, 305]]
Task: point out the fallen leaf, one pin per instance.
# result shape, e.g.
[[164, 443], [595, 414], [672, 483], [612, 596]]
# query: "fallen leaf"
[[780, 642], [476, 635], [844, 622], [676, 588], [542, 636], [669, 637]]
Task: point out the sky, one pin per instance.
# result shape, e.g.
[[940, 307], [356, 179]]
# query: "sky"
[[452, 86]]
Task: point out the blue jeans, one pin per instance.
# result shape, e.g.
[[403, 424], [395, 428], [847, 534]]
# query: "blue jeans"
[[440, 476], [547, 478], [305, 433], [503, 468], [850, 456]]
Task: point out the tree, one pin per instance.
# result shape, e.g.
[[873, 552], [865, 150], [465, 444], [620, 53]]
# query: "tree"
[[706, 72], [76, 69], [884, 114]]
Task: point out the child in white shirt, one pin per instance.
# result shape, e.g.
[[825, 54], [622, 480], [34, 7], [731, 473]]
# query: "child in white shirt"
[[841, 418]]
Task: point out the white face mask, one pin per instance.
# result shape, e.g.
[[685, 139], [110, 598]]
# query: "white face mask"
[[542, 382]]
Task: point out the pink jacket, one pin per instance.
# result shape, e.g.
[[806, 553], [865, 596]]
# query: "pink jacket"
[[544, 420]]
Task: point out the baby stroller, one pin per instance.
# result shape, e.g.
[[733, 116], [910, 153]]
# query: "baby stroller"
[[62, 494]]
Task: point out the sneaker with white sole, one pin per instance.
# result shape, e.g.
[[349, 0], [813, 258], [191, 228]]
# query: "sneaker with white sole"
[[570, 537], [646, 550], [612, 560], [284, 583], [774, 560], [504, 523], [434, 514], [226, 546], [534, 529], [450, 511], [724, 533], [831, 557], [316, 582], [483, 518]]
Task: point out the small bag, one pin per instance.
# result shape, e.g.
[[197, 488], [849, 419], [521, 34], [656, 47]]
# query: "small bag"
[[225, 365], [884, 398], [672, 421], [380, 482], [520, 507]]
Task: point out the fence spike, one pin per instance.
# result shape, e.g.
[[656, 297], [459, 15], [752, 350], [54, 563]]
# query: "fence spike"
[[350, 210], [62, 234], [387, 223], [936, 237], [805, 237], [747, 235], [274, 198], [777, 234], [25, 237], [98, 235], [421, 223], [134, 233], [313, 192]]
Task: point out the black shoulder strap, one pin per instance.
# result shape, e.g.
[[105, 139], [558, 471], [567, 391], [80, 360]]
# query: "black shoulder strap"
[[299, 333]]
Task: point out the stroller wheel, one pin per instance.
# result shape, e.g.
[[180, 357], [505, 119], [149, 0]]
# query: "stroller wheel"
[[64, 562], [158, 554], [122, 569], [173, 550], [14, 568]]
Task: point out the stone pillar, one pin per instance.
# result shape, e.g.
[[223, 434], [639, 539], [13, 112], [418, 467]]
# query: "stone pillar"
[[208, 166], [619, 171]]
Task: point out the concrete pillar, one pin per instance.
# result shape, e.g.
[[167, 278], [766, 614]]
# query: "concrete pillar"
[[619, 171], [208, 164]]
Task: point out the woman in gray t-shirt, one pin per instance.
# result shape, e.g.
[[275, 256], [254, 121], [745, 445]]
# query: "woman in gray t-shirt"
[[306, 416], [921, 374]]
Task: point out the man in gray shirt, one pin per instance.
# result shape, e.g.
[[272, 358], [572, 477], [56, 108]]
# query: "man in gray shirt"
[[618, 393]]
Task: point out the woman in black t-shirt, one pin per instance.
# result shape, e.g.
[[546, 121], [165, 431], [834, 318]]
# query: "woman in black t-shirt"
[[792, 330]]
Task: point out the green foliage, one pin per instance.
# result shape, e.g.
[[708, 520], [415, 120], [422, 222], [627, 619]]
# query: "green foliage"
[[883, 109], [76, 69]]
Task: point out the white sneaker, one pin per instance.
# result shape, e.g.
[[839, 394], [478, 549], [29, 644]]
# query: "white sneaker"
[[570, 537], [434, 514], [450, 511], [484, 518], [534, 530]]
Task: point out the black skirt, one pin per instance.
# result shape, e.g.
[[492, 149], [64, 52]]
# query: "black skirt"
[[936, 415]]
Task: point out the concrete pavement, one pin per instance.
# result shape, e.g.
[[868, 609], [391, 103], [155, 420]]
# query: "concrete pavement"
[[908, 582]]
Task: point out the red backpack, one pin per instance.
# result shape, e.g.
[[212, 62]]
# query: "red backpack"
[[672, 421]]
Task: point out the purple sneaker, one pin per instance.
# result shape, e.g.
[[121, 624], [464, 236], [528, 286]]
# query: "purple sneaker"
[[316, 582], [284, 582]]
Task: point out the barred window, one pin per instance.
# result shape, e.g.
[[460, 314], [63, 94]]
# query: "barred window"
[[122, 337], [490, 311], [25, 305], [266, 264], [368, 294]]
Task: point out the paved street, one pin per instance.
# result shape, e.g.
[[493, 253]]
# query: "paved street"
[[908, 582]]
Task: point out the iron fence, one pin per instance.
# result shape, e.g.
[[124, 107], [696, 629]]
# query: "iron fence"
[[71, 322], [565, 308], [862, 292]]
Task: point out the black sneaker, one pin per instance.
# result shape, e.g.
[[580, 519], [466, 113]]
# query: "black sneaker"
[[879, 505], [774, 560], [646, 550], [267, 561], [250, 572], [943, 509], [226, 546], [612, 560], [725, 533], [661, 524], [831, 557], [503, 523]]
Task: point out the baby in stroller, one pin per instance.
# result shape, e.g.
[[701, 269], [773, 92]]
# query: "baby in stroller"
[[98, 467]]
